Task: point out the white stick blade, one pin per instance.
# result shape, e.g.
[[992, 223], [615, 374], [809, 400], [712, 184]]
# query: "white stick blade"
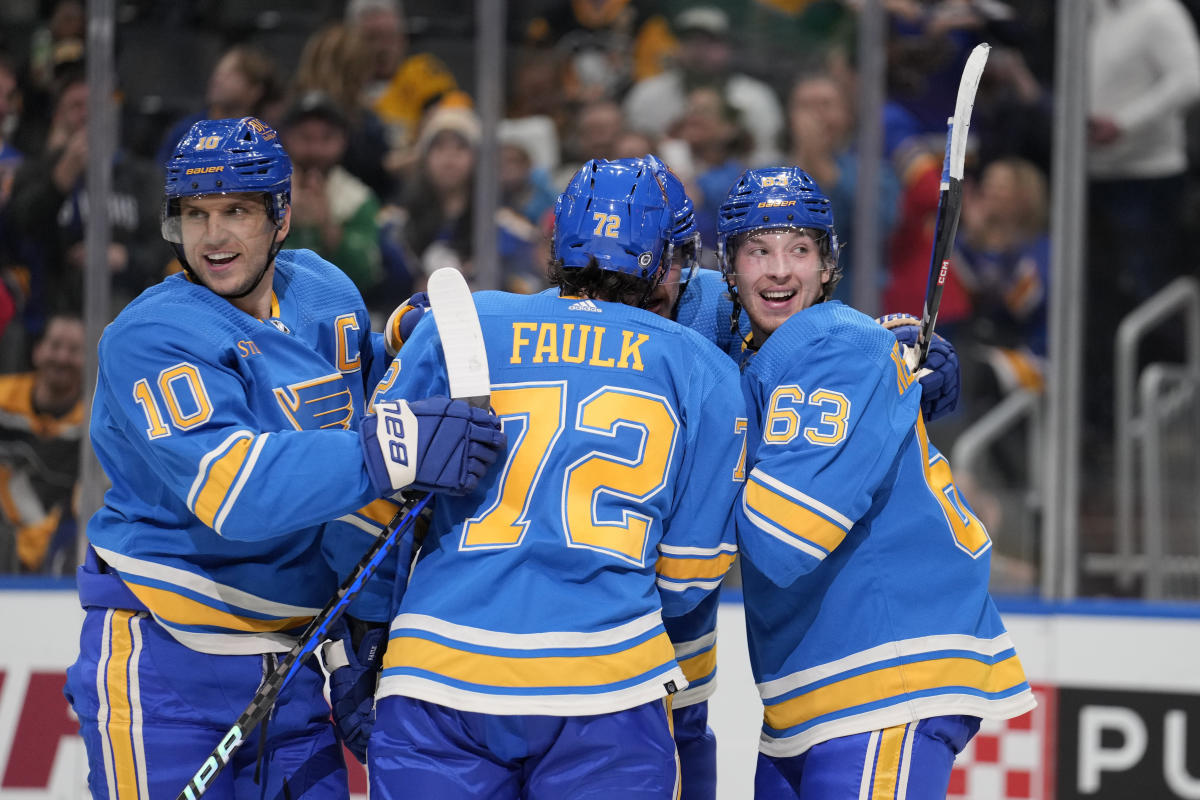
[[457, 321], [963, 106]]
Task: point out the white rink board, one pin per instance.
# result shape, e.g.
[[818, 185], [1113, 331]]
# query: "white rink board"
[[1059, 648]]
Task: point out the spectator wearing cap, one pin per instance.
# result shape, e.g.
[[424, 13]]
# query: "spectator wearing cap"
[[333, 212], [705, 58], [525, 183], [437, 231]]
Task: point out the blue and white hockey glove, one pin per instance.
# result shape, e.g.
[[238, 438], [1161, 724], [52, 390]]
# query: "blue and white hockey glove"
[[402, 321], [939, 375], [353, 654], [431, 445]]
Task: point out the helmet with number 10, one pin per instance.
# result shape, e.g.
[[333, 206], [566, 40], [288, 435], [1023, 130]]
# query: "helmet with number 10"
[[615, 212], [227, 156]]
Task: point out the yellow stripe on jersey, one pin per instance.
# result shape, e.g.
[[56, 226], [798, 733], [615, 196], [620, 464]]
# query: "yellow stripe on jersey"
[[220, 479], [683, 569], [793, 517], [175, 608], [120, 712], [887, 763], [895, 682], [531, 672], [700, 665], [381, 511]]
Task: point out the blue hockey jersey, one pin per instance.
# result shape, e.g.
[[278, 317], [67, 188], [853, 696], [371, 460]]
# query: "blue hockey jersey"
[[865, 573], [705, 307], [543, 591], [229, 441]]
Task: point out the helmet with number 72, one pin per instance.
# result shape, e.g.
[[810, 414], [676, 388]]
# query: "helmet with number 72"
[[617, 213]]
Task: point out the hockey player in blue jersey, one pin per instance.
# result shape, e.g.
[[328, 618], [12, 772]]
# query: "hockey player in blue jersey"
[[873, 639], [700, 299], [528, 658], [227, 414]]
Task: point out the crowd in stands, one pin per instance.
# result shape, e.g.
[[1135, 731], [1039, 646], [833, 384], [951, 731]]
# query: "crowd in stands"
[[373, 100]]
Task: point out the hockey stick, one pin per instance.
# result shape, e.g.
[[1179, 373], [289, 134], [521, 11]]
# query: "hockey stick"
[[950, 197], [466, 366]]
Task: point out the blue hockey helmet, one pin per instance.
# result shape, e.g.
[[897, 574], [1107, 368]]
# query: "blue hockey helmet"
[[226, 156], [685, 238], [773, 198], [617, 213]]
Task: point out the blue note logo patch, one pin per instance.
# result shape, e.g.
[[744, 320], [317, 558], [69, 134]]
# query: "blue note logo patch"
[[323, 402]]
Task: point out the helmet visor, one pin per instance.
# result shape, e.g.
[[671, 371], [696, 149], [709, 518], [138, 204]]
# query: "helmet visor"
[[240, 215]]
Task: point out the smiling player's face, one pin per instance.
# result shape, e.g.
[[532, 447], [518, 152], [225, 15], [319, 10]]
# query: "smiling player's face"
[[227, 240], [777, 274]]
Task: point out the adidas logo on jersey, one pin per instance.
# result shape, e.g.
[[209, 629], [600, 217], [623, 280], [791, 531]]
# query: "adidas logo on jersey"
[[584, 305]]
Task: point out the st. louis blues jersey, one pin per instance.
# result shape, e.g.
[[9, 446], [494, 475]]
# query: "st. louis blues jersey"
[[229, 442], [704, 306], [543, 591], [865, 573]]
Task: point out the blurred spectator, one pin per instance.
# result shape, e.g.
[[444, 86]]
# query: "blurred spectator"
[[592, 134], [48, 209], [1005, 259], [1144, 77], [928, 44], [917, 162], [705, 59], [603, 45], [535, 89], [335, 62], [437, 231], [10, 156], [401, 86], [525, 185], [821, 138], [41, 425], [243, 83], [54, 47], [718, 145], [634, 144], [333, 212], [1013, 111]]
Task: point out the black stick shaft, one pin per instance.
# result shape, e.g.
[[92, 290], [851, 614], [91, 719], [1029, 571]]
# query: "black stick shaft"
[[264, 699]]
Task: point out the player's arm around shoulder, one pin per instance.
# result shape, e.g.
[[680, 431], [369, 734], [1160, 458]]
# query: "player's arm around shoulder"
[[699, 540], [833, 404]]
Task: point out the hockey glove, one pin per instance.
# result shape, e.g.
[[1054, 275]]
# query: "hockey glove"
[[431, 445], [938, 376], [402, 321], [353, 655]]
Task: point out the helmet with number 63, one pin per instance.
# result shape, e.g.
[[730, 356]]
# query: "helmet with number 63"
[[775, 198]]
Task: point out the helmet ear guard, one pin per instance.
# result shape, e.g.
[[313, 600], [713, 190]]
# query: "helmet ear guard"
[[685, 237]]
